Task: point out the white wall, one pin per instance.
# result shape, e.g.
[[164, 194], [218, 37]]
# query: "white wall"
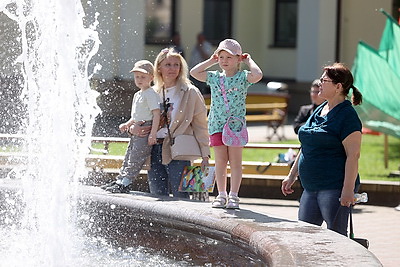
[[191, 23], [316, 37], [132, 32], [121, 32], [254, 26], [361, 20]]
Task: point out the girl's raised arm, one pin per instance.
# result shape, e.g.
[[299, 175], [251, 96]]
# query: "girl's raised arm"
[[199, 71], [255, 74]]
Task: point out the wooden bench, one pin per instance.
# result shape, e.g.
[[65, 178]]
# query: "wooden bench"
[[265, 107]]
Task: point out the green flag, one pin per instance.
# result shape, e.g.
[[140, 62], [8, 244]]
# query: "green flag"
[[389, 47], [377, 76]]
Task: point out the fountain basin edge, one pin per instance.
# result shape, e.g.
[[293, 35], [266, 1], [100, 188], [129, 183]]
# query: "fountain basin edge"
[[277, 241]]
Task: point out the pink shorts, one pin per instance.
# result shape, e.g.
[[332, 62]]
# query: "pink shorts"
[[216, 139]]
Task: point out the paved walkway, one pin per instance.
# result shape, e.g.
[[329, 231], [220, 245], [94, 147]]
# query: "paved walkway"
[[380, 225]]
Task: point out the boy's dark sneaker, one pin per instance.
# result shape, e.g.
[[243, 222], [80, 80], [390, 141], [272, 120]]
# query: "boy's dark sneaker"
[[118, 188], [104, 186]]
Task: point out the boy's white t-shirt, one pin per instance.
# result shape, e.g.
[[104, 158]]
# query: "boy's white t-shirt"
[[143, 103]]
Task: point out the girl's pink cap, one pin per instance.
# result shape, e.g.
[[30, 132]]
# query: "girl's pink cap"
[[231, 46]]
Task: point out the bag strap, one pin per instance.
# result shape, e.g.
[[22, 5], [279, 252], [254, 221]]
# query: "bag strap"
[[222, 83], [235, 118], [351, 223], [171, 141]]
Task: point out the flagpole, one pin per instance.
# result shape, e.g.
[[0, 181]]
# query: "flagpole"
[[389, 16]]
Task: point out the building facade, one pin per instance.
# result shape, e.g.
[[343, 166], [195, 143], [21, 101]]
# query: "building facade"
[[291, 40]]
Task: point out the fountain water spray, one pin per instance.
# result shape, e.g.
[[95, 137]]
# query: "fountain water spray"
[[60, 111]]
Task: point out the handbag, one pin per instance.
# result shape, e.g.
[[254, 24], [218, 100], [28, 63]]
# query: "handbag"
[[230, 137], [195, 180], [233, 138], [185, 147]]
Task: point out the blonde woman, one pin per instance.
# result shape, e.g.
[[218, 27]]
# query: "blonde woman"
[[187, 114]]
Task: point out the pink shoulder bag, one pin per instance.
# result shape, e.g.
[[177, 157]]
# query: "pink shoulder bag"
[[230, 137]]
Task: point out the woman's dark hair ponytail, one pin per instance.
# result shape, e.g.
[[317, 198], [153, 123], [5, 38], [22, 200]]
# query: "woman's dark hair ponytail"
[[356, 99], [340, 73]]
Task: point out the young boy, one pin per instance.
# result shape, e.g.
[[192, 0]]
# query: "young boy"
[[145, 107]]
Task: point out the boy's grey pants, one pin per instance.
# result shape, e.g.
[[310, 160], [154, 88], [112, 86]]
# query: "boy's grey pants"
[[136, 155]]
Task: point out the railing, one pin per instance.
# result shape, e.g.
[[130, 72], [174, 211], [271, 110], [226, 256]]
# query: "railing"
[[107, 140], [112, 163]]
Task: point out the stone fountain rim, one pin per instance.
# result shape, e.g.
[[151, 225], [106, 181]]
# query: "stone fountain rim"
[[278, 241]]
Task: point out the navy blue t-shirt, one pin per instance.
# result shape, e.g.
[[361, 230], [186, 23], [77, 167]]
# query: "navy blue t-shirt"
[[322, 162]]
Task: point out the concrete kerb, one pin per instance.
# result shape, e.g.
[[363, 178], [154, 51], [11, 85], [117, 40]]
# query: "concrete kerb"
[[278, 241]]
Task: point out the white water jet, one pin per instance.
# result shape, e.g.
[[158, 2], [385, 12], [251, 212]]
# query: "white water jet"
[[60, 111]]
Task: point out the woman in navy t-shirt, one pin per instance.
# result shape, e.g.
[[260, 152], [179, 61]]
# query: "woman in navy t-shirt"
[[330, 148]]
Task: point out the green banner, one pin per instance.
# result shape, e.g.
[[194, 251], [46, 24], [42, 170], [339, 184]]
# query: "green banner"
[[377, 76], [389, 47]]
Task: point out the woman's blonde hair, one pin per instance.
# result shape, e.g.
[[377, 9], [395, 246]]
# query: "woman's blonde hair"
[[182, 79]]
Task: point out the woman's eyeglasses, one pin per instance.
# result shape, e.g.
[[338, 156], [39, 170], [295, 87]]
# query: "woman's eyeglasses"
[[322, 80]]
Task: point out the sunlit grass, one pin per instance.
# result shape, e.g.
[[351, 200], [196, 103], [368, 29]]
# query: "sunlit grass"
[[372, 164]]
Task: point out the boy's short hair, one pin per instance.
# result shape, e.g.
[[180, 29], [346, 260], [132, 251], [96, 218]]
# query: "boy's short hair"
[[143, 66]]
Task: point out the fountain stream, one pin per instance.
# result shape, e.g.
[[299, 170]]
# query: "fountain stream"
[[60, 109], [45, 221]]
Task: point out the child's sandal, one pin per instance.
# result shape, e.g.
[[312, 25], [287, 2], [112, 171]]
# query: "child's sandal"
[[219, 202], [233, 203]]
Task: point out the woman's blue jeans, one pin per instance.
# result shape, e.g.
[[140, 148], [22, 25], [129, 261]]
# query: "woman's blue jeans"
[[324, 205], [164, 179]]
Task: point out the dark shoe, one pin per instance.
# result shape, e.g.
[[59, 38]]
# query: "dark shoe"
[[104, 187], [119, 188]]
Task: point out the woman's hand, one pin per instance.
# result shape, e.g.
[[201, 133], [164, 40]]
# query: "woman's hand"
[[138, 129], [204, 163], [347, 198], [152, 139], [287, 185], [124, 127]]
